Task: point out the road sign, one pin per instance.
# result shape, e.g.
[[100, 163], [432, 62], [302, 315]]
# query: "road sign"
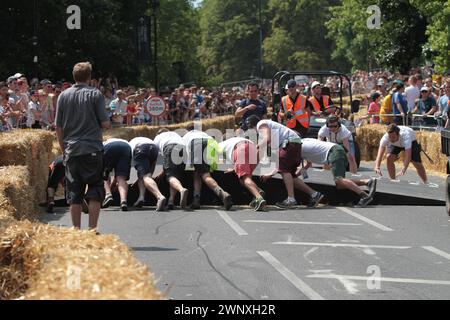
[[156, 106]]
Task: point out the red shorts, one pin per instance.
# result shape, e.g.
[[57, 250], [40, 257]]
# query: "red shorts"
[[290, 158], [245, 159]]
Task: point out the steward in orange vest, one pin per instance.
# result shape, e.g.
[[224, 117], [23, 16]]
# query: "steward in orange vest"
[[319, 102], [295, 110]]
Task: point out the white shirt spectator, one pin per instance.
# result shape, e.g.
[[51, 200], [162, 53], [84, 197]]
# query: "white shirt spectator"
[[139, 141], [279, 131], [316, 151], [117, 107], [412, 93], [405, 140], [30, 115], [168, 138], [336, 137]]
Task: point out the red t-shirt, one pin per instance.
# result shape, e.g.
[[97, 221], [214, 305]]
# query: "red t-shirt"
[[374, 108]]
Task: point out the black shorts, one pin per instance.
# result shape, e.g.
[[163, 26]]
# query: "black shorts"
[[290, 158], [197, 148], [117, 157], [144, 156], [173, 161], [82, 171], [415, 157], [56, 173]]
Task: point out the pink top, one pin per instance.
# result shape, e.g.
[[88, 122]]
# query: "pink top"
[[374, 108]]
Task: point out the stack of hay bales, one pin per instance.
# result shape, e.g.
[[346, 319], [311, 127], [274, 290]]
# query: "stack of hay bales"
[[32, 149], [15, 191]]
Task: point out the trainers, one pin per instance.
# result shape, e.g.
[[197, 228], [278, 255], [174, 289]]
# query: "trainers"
[[252, 204], [260, 204], [160, 205], [85, 206], [226, 199], [372, 185], [170, 207], [139, 204], [314, 201], [124, 206], [286, 204], [183, 198], [50, 207], [108, 202], [365, 200], [195, 203]]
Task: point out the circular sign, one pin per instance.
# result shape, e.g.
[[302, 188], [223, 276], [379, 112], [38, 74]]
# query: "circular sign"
[[156, 106]]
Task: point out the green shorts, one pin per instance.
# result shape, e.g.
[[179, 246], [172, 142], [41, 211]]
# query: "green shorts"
[[337, 158]]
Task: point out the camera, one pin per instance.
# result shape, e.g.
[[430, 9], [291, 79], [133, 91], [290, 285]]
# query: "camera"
[[289, 115]]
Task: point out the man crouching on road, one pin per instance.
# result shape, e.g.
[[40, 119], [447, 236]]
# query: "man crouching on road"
[[327, 153], [80, 117], [397, 139]]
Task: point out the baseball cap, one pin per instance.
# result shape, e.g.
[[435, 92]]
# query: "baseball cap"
[[291, 84], [18, 75], [315, 84], [45, 82], [424, 89], [11, 79]]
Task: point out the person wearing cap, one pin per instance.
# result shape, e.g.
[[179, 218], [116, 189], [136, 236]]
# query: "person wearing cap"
[[320, 102], [13, 88], [426, 106], [399, 103], [396, 140], [295, 106], [251, 106], [289, 146]]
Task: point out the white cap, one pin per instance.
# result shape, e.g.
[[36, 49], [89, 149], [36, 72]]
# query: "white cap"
[[18, 75], [425, 89], [315, 84]]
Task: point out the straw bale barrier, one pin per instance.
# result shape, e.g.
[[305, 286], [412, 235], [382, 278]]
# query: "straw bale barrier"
[[369, 137], [47, 263], [16, 193], [32, 149]]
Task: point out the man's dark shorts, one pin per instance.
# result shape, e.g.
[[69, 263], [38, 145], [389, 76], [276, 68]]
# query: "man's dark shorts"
[[338, 160], [117, 157], [82, 171], [415, 151], [144, 156], [173, 163], [290, 158], [197, 148]]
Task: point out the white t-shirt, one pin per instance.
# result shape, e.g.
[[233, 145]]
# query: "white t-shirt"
[[192, 135], [411, 95], [114, 140], [336, 137], [279, 131], [140, 140], [227, 147], [316, 151], [405, 140], [168, 138], [30, 116]]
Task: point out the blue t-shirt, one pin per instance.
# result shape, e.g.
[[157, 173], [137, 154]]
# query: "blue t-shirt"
[[399, 98], [260, 111], [443, 104]]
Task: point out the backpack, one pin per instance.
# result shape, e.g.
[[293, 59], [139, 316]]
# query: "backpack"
[[386, 108]]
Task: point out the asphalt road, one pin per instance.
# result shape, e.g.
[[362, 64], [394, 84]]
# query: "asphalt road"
[[384, 252]]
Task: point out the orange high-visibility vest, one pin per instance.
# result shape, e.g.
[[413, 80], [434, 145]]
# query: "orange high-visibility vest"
[[298, 110], [316, 104]]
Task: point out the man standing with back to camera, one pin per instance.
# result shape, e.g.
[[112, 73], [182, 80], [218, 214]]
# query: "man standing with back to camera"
[[80, 118]]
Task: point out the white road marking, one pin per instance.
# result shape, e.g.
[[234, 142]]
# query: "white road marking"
[[350, 286], [381, 279], [414, 183], [438, 252], [290, 276], [232, 223], [334, 245], [432, 185], [366, 220], [304, 222]]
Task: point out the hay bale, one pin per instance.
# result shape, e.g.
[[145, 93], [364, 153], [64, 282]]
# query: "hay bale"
[[30, 148], [431, 144], [16, 193], [45, 262]]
